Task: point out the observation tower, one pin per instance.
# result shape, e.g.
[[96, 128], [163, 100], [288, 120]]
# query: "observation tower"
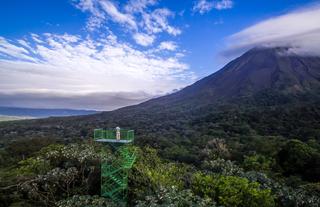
[[114, 173]]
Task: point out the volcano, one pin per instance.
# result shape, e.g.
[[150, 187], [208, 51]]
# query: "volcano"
[[267, 87]]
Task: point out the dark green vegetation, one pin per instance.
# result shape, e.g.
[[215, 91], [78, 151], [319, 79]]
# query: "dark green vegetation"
[[248, 135]]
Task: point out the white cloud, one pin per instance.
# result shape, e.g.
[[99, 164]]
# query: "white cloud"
[[134, 6], [204, 6], [299, 29], [10, 50], [116, 15], [35, 37], [224, 4], [69, 38], [143, 39], [157, 21], [85, 5], [97, 15], [95, 22], [74, 66], [168, 45], [25, 44], [135, 16]]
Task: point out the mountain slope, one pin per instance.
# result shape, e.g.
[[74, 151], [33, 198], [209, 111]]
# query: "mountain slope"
[[257, 70], [225, 104]]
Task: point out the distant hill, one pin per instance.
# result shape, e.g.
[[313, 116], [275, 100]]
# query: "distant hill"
[[42, 113]]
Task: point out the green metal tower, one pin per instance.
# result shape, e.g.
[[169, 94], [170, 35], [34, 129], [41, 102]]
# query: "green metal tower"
[[114, 174]]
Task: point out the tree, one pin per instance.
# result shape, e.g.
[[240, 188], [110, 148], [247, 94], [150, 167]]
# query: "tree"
[[231, 191], [86, 200], [150, 173], [222, 167], [257, 162], [298, 158], [173, 197]]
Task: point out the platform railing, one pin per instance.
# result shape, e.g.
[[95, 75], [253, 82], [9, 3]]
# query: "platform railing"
[[111, 134]]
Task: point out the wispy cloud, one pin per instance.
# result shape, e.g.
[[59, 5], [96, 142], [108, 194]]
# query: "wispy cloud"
[[143, 39], [157, 21], [168, 45], [69, 65], [10, 50], [223, 4], [134, 6], [117, 16], [298, 30], [204, 6], [138, 20]]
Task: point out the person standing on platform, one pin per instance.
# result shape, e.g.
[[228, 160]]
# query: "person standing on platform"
[[118, 133]]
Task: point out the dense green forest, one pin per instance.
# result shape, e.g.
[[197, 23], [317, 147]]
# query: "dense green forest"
[[226, 156], [53, 174]]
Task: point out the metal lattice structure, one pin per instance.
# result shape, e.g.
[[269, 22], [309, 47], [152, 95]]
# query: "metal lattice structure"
[[114, 175]]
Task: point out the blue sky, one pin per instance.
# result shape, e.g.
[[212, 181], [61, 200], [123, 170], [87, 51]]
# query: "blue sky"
[[104, 54]]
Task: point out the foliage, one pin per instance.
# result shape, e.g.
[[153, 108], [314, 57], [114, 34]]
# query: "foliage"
[[33, 166], [298, 158], [176, 198], [231, 191], [78, 154], [20, 149], [56, 184], [59, 174], [67, 174], [179, 153], [216, 148], [257, 162], [286, 196], [289, 197], [59, 171], [261, 178], [87, 201], [150, 172], [221, 166]]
